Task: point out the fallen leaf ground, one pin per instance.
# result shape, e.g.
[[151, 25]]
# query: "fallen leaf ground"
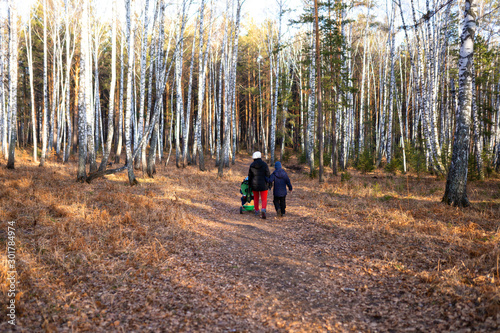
[[375, 253]]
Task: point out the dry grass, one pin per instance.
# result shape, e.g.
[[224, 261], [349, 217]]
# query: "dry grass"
[[103, 256]]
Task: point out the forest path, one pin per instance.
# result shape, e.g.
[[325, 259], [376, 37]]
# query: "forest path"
[[297, 273]]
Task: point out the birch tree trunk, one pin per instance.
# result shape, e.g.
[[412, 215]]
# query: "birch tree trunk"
[[13, 52], [54, 87], [29, 52], [3, 107], [310, 112], [69, 57], [320, 111], [128, 106], [456, 183], [187, 121], [234, 67], [476, 130], [178, 83], [45, 87], [83, 100], [120, 106], [361, 145], [202, 67], [90, 105], [392, 87], [263, 139], [111, 107], [142, 83]]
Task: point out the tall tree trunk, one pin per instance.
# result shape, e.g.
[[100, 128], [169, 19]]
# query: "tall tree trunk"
[[310, 112], [456, 183], [320, 111], [476, 130], [233, 76], [179, 111], [392, 87], [83, 99], [13, 52], [111, 107], [29, 52], [119, 137], [187, 121], [128, 106], [69, 57], [45, 87], [142, 83]]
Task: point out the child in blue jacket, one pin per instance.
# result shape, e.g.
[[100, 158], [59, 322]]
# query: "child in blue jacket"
[[281, 182]]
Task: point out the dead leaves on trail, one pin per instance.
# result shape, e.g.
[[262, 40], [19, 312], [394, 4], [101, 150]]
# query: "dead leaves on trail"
[[174, 254]]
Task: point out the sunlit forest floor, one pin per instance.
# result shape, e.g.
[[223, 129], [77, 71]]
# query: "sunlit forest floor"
[[373, 253]]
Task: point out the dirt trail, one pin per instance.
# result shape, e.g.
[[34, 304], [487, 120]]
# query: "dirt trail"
[[294, 274]]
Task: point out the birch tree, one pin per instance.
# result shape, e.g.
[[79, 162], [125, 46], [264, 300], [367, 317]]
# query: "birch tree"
[[45, 87], [13, 55], [456, 183], [83, 99], [29, 53], [111, 107], [128, 105], [142, 83]]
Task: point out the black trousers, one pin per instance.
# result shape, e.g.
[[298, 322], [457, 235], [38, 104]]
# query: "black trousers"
[[280, 204]]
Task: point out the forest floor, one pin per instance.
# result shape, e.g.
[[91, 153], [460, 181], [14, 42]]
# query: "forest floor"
[[375, 253]]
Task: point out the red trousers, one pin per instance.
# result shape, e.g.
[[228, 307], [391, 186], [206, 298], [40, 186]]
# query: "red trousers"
[[263, 196]]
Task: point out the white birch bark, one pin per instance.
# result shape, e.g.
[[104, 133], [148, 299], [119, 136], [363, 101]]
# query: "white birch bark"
[[89, 97], [362, 108], [392, 87], [233, 85], [202, 68], [3, 107], [111, 108], [45, 87], [178, 83], [54, 85], [128, 104], [13, 66], [83, 100], [187, 121], [274, 107], [456, 184], [311, 111], [69, 57], [142, 83], [120, 105], [29, 53]]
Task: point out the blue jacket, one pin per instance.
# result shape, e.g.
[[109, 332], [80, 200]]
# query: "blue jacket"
[[281, 181]]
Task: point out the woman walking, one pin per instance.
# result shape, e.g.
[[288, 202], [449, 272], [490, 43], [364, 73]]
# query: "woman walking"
[[257, 175]]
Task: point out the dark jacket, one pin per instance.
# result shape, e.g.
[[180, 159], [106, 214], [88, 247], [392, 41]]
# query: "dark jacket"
[[281, 181], [257, 175]]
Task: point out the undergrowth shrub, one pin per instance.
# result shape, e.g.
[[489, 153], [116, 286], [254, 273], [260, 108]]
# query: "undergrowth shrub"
[[345, 176], [415, 156], [393, 166], [286, 156], [303, 158], [365, 162]]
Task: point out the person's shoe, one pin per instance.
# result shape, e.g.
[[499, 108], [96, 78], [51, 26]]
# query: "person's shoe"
[[264, 214], [279, 213], [257, 213]]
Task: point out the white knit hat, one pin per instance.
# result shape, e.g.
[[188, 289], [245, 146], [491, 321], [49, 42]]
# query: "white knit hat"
[[256, 155]]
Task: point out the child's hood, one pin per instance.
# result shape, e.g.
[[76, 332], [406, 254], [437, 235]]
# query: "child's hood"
[[280, 173]]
